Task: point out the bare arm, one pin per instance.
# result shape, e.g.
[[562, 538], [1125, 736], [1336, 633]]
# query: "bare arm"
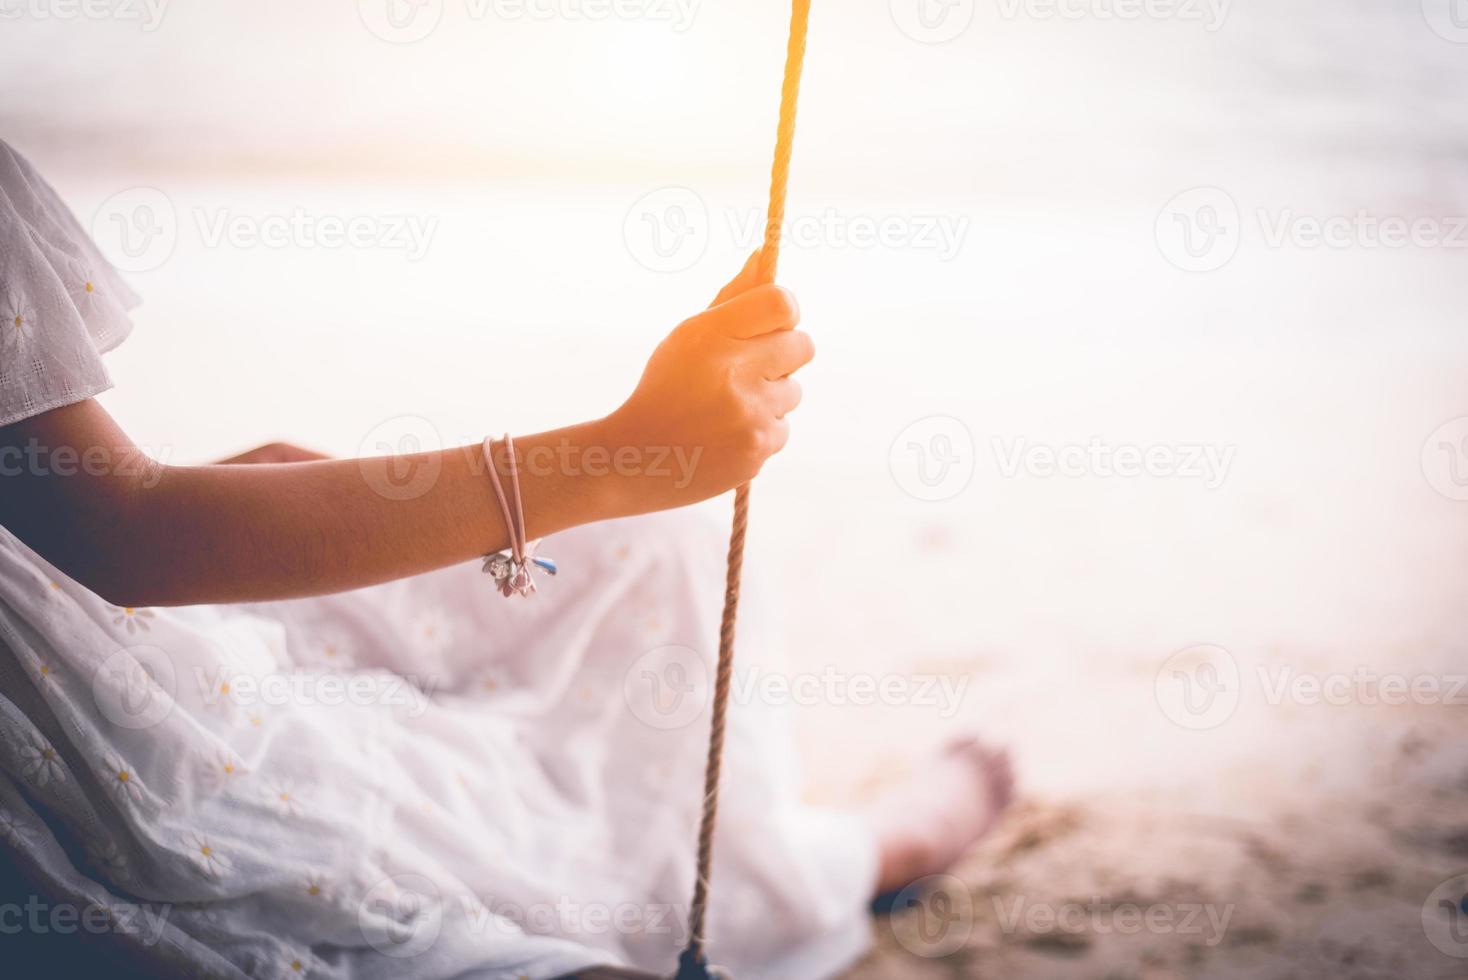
[[709, 410], [139, 533]]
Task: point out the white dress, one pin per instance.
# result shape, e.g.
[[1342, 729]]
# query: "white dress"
[[418, 781]]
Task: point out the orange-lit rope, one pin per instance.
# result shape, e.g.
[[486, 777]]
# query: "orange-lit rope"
[[692, 963]]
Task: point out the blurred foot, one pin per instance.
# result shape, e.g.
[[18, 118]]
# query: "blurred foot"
[[930, 820]]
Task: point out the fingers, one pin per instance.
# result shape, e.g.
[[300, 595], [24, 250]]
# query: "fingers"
[[779, 436], [753, 313], [747, 279], [784, 396], [784, 353]]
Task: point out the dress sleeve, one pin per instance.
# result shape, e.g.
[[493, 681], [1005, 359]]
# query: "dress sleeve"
[[62, 304]]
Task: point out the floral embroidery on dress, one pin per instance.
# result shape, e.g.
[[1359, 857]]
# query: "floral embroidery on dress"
[[224, 768], [109, 858], [45, 673], [16, 323], [122, 780], [206, 857], [298, 963], [431, 629], [83, 288], [10, 828], [318, 887], [135, 619], [332, 649], [285, 800], [41, 762]]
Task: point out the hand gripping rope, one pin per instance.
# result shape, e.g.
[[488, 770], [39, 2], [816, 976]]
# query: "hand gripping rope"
[[691, 964]]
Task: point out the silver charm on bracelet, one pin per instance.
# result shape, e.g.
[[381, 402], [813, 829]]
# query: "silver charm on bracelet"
[[512, 577]]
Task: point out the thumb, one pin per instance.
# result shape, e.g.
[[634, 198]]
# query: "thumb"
[[747, 279]]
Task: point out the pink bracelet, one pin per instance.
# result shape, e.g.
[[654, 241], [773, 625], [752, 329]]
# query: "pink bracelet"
[[511, 567]]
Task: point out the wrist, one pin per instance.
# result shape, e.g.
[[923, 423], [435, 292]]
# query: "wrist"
[[570, 477], [610, 488]]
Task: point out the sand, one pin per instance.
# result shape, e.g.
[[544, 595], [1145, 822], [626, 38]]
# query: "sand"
[[1146, 886]]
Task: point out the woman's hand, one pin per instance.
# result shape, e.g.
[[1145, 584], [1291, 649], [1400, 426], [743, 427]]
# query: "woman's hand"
[[712, 403]]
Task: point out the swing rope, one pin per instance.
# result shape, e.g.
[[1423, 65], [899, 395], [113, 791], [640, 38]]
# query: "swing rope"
[[693, 965]]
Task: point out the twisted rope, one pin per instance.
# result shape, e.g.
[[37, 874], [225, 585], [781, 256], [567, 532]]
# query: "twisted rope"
[[692, 964]]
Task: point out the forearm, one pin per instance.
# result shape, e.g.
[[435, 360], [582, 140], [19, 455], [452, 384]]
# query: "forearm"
[[709, 410], [277, 531]]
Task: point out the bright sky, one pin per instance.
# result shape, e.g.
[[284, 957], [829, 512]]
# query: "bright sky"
[[1020, 98]]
